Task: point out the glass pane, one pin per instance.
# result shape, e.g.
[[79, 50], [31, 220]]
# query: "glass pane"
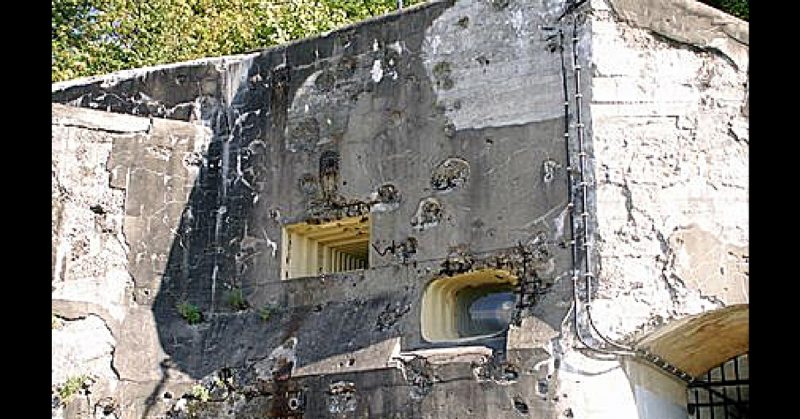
[[485, 311]]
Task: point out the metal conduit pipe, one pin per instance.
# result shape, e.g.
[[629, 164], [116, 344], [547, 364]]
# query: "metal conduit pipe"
[[579, 125], [571, 207], [623, 349]]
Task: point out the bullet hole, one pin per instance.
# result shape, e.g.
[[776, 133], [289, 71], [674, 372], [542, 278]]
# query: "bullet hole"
[[193, 159], [97, 209], [180, 79], [499, 4], [317, 308], [255, 79], [542, 386], [441, 75], [520, 405], [167, 395], [450, 174], [346, 67], [388, 194], [510, 374], [568, 413], [463, 22], [325, 81], [489, 141], [329, 173], [295, 403], [429, 213], [106, 406], [308, 184], [304, 133], [549, 169], [482, 60], [449, 129], [351, 362], [274, 213], [391, 314]]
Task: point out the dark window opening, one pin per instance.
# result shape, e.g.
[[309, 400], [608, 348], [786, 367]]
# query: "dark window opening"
[[484, 310], [471, 305], [315, 249], [723, 392]]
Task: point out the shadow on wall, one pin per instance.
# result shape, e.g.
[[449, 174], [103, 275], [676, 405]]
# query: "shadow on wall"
[[211, 303], [219, 302]]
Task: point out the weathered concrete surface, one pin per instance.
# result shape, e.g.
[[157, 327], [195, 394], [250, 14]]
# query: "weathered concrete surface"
[[105, 248], [445, 124], [672, 177], [481, 82], [670, 160]]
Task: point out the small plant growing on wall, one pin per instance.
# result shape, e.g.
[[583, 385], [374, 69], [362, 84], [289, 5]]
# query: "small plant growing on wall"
[[236, 299], [72, 386], [266, 312], [190, 312], [201, 393]]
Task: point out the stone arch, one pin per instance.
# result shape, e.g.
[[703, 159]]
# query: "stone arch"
[[698, 343], [695, 344]]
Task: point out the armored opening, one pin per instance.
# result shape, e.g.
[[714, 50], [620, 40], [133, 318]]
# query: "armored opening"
[[314, 249], [468, 306], [723, 392]]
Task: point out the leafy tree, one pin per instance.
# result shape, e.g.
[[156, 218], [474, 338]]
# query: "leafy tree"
[[738, 8], [91, 37]]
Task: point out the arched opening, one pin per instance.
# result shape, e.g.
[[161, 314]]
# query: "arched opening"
[[713, 348], [468, 306]]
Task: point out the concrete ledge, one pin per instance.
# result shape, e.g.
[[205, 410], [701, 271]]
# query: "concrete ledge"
[[690, 22]]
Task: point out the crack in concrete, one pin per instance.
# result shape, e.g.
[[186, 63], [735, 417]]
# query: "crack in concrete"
[[67, 124]]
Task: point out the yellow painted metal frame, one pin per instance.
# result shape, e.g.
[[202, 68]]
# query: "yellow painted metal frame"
[[314, 249], [438, 316]]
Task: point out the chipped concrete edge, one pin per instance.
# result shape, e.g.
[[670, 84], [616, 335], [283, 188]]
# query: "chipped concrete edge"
[[117, 76], [689, 22], [70, 116]]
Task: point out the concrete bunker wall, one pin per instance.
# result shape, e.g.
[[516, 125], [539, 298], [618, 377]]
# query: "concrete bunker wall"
[[397, 120], [445, 126]]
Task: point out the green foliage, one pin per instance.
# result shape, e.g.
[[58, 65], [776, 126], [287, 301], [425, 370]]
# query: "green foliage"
[[91, 37], [190, 312], [201, 393], [71, 387], [738, 8], [265, 312], [236, 299]]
